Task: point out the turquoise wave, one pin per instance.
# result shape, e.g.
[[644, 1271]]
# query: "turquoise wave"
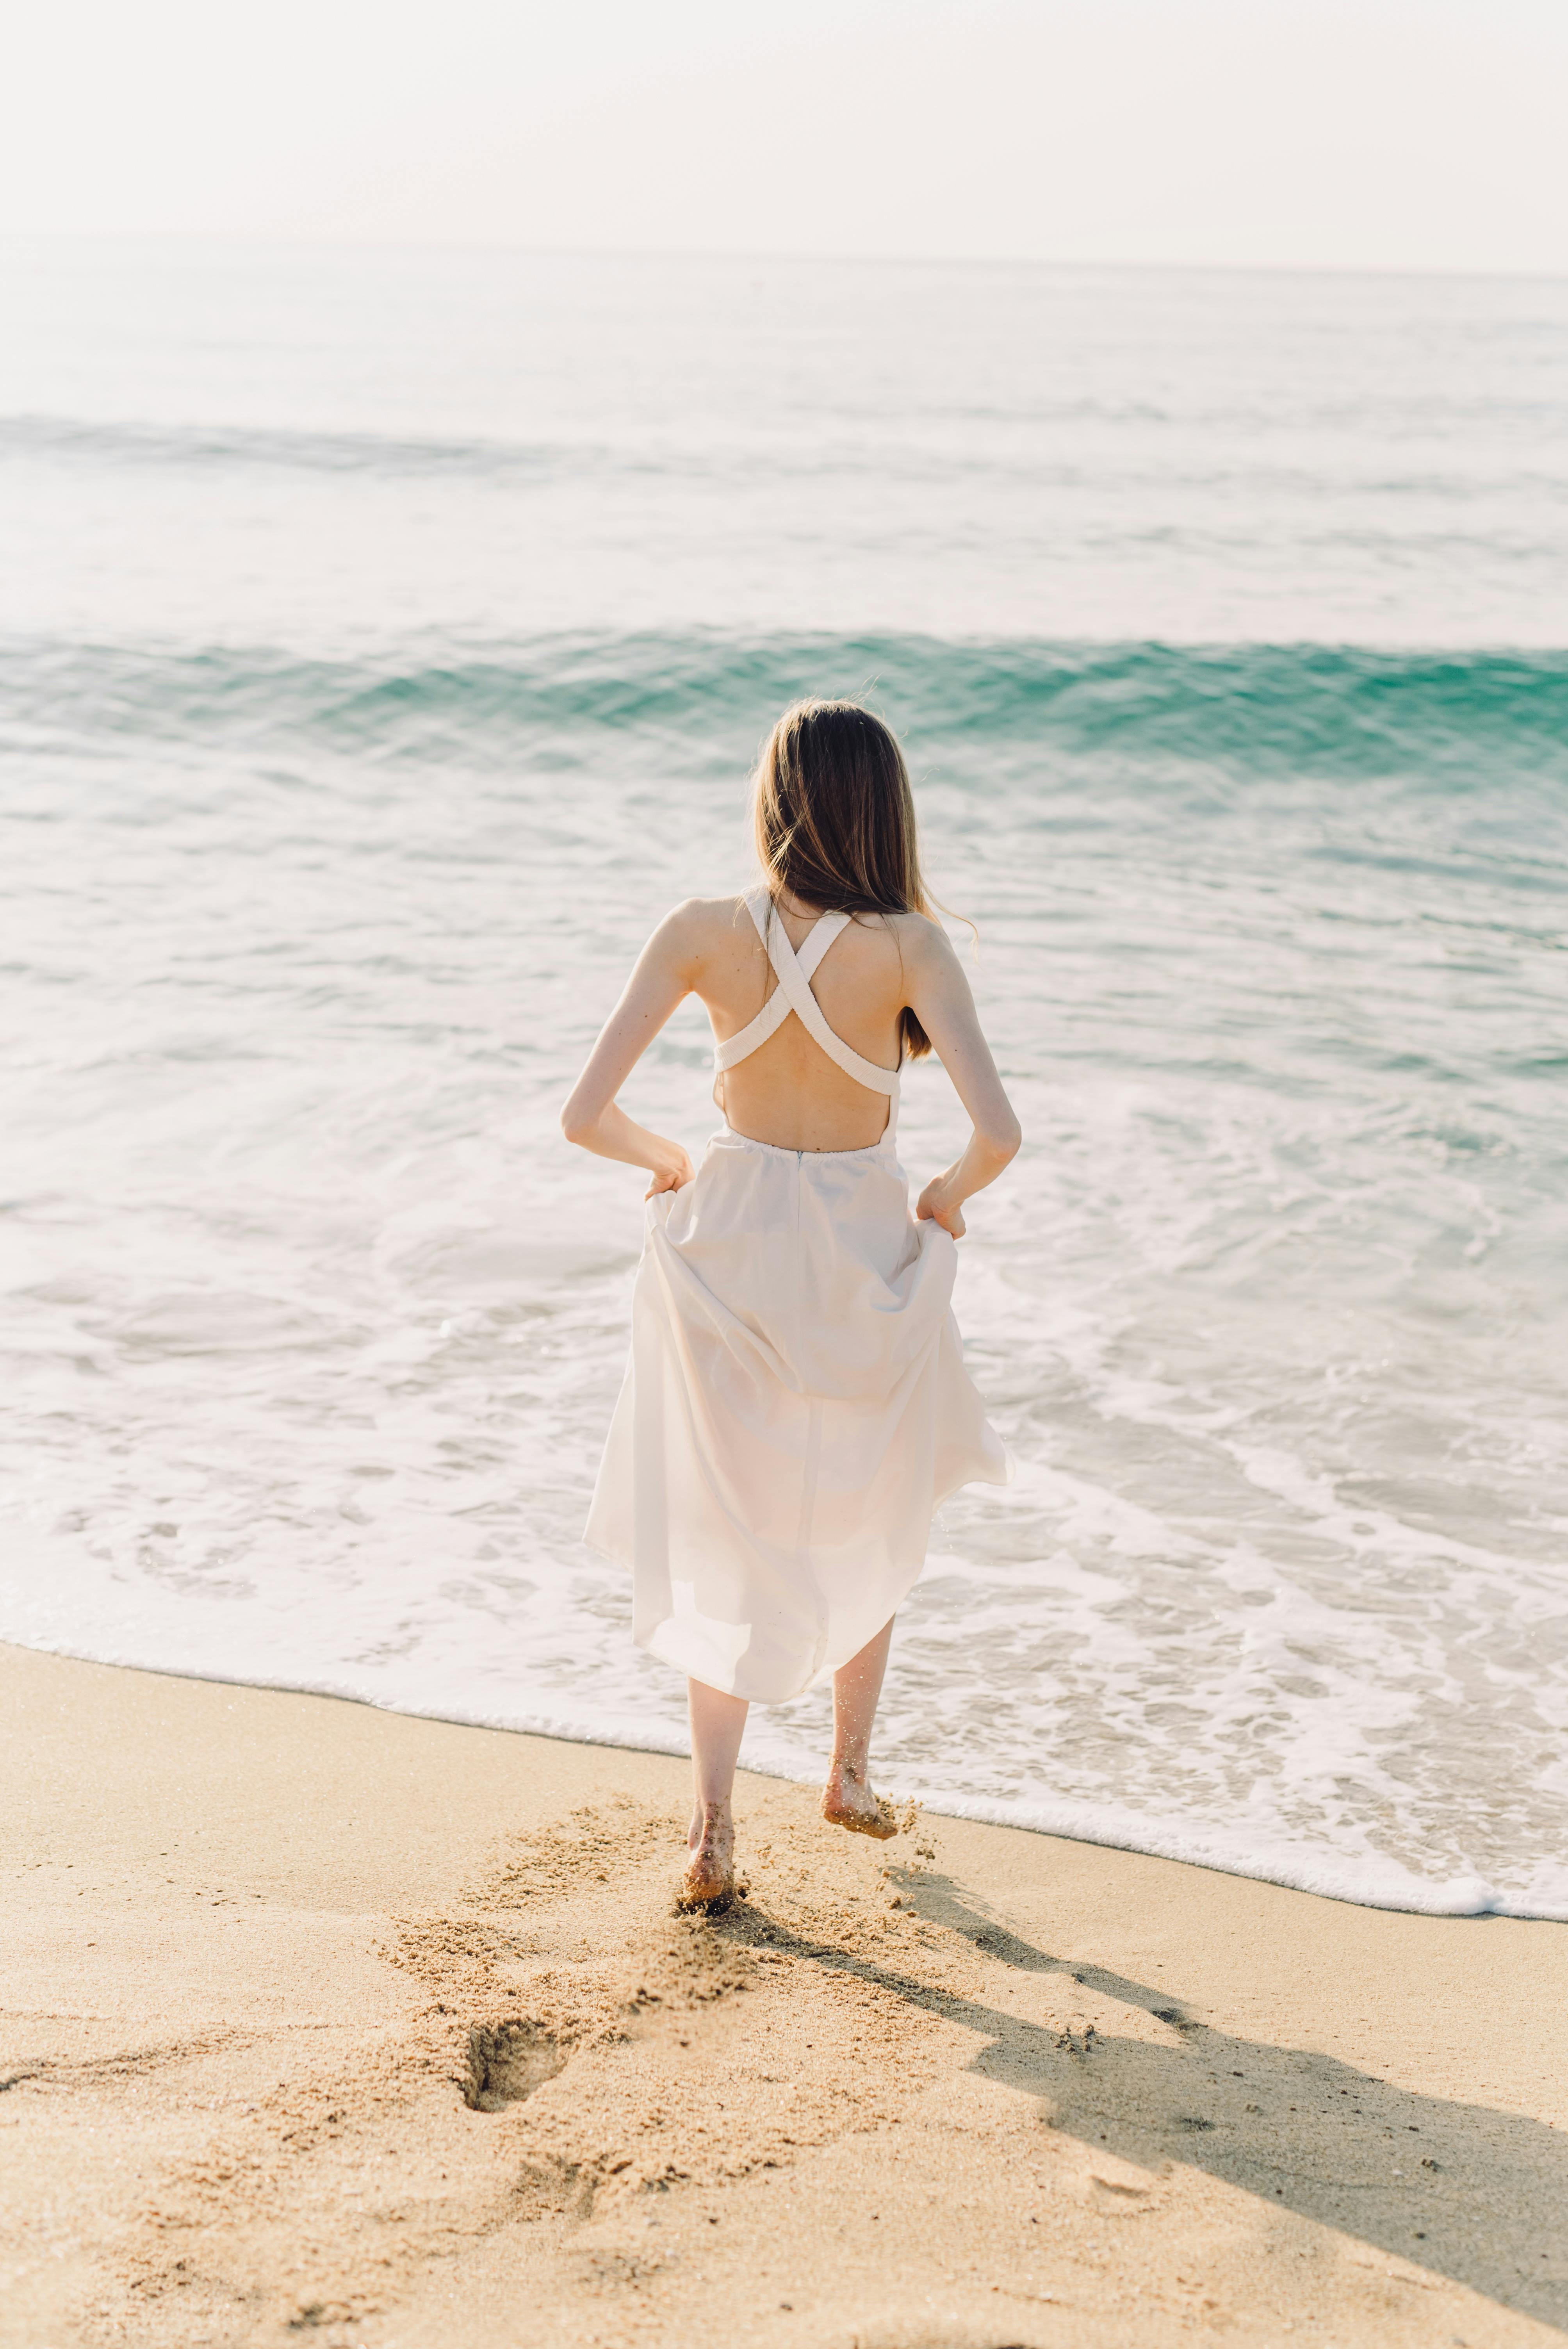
[[1469, 720]]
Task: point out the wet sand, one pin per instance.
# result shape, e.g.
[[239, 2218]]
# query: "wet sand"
[[321, 2025]]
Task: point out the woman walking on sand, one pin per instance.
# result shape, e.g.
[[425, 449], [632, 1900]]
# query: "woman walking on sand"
[[796, 1405]]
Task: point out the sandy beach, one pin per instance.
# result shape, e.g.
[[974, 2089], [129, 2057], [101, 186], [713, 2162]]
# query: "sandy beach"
[[324, 2024]]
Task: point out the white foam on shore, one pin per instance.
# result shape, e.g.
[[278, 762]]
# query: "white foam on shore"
[[134, 1631], [1384, 1886]]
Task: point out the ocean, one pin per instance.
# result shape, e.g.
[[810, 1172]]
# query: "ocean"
[[384, 641]]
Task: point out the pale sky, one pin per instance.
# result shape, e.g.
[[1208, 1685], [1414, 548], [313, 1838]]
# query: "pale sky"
[[1427, 134]]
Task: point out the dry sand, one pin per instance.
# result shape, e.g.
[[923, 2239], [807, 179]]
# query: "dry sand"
[[325, 2025]]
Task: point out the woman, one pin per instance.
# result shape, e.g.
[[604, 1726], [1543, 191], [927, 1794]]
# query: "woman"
[[796, 1405]]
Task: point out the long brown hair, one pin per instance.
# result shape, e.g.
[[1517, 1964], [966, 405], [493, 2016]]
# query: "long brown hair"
[[835, 821]]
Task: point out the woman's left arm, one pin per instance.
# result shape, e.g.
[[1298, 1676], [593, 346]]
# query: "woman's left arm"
[[663, 976], [940, 996]]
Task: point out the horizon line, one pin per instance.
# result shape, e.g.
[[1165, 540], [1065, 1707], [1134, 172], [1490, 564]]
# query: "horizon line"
[[296, 241]]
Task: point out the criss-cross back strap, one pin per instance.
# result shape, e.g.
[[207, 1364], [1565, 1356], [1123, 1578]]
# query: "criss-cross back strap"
[[778, 1007], [793, 993]]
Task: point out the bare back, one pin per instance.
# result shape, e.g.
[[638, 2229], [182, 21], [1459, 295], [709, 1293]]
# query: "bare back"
[[806, 1032], [788, 1091]]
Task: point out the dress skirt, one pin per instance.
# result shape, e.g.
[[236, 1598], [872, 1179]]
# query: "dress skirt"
[[795, 1408]]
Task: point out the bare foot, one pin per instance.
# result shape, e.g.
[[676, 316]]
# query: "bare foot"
[[710, 1878], [848, 1802]]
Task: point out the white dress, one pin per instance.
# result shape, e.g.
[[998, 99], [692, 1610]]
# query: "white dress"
[[795, 1403]]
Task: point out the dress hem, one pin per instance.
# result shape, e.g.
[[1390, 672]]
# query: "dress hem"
[[830, 1663]]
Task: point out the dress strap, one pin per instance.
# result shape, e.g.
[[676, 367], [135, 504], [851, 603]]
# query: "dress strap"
[[793, 993], [778, 1007]]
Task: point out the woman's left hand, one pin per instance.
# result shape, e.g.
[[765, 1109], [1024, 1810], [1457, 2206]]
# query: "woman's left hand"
[[933, 1208]]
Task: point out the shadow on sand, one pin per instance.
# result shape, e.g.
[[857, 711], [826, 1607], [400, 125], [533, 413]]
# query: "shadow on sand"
[[1458, 2188]]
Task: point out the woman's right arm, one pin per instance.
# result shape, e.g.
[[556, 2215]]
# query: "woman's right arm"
[[592, 1118], [941, 999]]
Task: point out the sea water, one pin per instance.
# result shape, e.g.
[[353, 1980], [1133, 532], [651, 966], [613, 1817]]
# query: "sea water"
[[383, 643]]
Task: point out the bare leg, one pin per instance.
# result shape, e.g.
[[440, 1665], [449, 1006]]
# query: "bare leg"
[[717, 1723], [847, 1798]]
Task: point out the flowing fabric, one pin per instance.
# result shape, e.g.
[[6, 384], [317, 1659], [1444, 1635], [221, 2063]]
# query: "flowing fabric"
[[795, 1403]]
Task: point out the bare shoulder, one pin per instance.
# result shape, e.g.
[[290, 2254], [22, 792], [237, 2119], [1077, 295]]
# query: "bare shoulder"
[[718, 915], [700, 927], [923, 944]]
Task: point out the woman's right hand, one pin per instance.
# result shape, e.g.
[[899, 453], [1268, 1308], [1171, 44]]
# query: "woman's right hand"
[[673, 1174]]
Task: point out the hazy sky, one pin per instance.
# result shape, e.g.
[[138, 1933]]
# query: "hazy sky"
[[1424, 133]]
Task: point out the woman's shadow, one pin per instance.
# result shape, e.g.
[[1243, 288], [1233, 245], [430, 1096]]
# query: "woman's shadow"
[[1460, 2188]]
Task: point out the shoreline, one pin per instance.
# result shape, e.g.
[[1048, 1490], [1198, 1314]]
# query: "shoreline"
[[1072, 1822], [319, 2017]]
